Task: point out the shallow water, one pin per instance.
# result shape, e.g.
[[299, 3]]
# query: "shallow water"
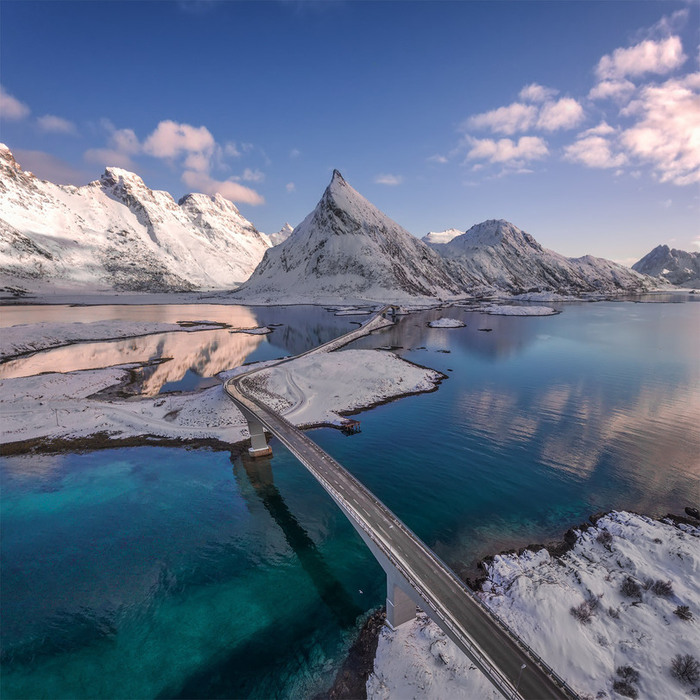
[[154, 572]]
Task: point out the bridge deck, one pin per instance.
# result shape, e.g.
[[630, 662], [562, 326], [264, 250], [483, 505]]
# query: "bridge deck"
[[448, 601]]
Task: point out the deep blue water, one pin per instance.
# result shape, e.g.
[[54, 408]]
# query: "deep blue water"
[[153, 572]]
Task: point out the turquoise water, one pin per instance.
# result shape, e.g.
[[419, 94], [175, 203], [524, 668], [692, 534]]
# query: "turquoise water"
[[153, 572]]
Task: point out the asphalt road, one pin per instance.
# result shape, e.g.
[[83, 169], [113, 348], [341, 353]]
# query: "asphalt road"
[[445, 597]]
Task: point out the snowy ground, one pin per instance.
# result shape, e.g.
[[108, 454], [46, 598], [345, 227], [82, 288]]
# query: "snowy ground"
[[535, 593], [315, 387], [22, 339], [447, 323], [505, 310]]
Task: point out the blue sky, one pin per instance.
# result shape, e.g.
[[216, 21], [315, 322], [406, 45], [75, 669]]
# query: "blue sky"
[[577, 121]]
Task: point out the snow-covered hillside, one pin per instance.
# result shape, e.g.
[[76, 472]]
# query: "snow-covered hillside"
[[675, 266], [117, 234], [496, 253], [347, 249], [282, 235], [440, 237], [611, 616]]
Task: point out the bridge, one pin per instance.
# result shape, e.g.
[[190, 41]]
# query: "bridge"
[[416, 576]]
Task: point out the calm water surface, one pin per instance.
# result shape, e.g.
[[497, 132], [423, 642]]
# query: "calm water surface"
[[151, 572]]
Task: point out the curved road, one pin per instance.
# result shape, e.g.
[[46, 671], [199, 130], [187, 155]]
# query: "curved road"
[[493, 647]]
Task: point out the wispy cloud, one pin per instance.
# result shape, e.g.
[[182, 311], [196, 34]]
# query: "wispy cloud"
[[526, 148], [437, 158], [52, 124], [48, 167], [504, 120], [290, 187], [537, 93], [11, 108], [388, 179], [203, 182], [109, 157]]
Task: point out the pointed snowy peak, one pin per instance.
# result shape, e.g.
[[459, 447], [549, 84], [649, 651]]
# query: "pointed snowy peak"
[[348, 249], [7, 159], [282, 235], [675, 266], [492, 233]]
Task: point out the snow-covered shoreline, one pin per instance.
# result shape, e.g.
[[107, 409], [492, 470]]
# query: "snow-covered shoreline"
[[69, 410], [614, 602]]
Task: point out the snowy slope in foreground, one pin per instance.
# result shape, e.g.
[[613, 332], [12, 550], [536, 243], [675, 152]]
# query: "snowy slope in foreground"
[[496, 253], [534, 594], [117, 234], [347, 250]]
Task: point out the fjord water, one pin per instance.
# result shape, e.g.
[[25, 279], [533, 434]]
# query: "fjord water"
[[154, 572]]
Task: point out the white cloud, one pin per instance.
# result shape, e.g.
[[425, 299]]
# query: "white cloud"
[[437, 158], [230, 149], [667, 133], [109, 157], [648, 56], [125, 140], [505, 120], [171, 139], [11, 108], [294, 153], [551, 115], [594, 152], [506, 151], [565, 113], [290, 187], [55, 125], [611, 89], [202, 182], [253, 175], [537, 93], [48, 167], [388, 179], [603, 129]]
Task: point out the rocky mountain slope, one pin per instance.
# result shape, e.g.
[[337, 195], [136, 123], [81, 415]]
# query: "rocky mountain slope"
[[672, 265], [117, 234], [347, 249], [496, 253]]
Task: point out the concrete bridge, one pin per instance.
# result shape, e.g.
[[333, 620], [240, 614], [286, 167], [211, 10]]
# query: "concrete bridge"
[[415, 574]]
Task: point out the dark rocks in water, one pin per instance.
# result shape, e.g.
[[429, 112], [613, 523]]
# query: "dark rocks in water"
[[485, 330], [351, 681]]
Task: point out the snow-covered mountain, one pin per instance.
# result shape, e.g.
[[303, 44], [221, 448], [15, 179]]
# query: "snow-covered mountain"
[[117, 234], [347, 249], [675, 266], [282, 235], [441, 236], [496, 253]]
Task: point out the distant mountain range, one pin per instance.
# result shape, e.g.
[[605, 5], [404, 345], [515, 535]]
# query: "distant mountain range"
[[116, 234], [496, 253], [674, 266]]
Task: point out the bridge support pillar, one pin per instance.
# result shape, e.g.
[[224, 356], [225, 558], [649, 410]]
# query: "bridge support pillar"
[[399, 607], [258, 441]]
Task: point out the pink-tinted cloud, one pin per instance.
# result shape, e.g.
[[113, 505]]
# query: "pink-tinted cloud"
[[565, 113], [505, 120], [52, 124], [48, 167], [202, 182], [649, 56], [667, 131], [171, 139], [11, 108], [388, 179], [537, 93], [527, 148], [594, 152]]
